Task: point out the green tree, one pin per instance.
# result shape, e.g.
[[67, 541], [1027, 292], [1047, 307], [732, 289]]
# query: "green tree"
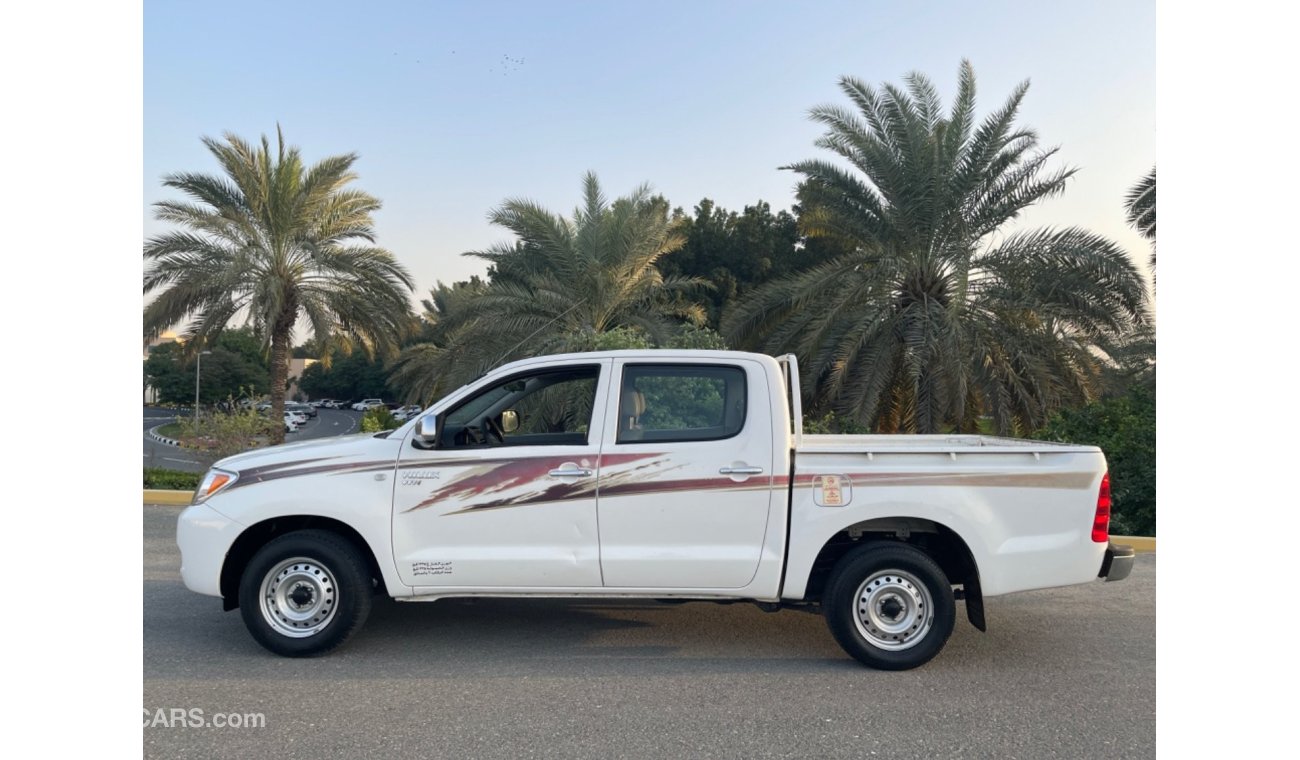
[[171, 373], [938, 315], [308, 350], [275, 241], [420, 373], [733, 252], [351, 377], [443, 301], [1125, 429], [563, 281], [236, 365]]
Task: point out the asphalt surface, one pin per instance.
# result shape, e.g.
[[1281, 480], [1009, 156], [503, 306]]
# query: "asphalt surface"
[[329, 422], [161, 455], [1062, 673]]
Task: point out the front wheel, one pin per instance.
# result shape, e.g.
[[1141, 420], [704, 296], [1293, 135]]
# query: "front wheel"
[[305, 593], [889, 605]]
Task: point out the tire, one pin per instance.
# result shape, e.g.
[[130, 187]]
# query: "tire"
[[305, 593], [889, 605]]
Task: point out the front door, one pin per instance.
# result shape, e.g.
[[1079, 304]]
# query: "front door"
[[507, 498], [687, 486]]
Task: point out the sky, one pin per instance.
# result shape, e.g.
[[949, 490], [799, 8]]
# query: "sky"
[[455, 107]]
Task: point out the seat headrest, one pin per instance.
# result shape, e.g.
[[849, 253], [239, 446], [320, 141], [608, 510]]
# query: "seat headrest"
[[633, 403]]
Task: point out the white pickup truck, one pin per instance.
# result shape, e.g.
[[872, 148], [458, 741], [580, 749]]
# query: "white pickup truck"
[[655, 474]]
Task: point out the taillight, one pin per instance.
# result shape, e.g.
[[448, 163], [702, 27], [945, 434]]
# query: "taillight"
[[1101, 522]]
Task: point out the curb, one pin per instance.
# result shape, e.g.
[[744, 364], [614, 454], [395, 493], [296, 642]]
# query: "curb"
[[163, 439], [168, 498], [1140, 544], [169, 441]]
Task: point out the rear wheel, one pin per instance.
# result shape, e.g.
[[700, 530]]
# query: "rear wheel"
[[305, 593], [889, 605]]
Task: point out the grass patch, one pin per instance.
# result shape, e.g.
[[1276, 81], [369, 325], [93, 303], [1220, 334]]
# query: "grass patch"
[[170, 430], [171, 480]]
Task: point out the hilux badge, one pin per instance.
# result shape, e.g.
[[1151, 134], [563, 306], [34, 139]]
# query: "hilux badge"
[[417, 477]]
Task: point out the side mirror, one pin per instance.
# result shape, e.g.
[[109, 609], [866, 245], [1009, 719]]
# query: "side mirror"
[[426, 430], [510, 420]]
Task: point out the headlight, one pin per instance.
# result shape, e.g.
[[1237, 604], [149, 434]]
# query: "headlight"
[[213, 482]]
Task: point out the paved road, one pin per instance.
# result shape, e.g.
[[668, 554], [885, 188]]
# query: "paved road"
[[160, 455], [330, 422], [1062, 673]]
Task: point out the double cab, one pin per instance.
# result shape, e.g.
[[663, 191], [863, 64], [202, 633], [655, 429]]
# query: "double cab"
[[656, 474]]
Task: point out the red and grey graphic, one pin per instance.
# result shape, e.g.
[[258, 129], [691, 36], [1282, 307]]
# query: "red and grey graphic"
[[495, 483], [314, 466]]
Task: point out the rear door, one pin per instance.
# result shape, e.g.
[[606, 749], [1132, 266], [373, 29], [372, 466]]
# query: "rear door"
[[687, 474]]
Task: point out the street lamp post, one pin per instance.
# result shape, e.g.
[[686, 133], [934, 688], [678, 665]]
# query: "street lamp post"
[[198, 368]]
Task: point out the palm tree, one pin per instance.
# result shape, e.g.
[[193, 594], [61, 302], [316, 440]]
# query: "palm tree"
[[1135, 357], [938, 315], [1140, 208], [423, 368], [559, 287], [274, 241]]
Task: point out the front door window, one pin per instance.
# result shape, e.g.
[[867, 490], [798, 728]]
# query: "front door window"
[[548, 408]]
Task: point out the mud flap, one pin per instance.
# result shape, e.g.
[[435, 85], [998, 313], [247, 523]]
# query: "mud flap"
[[975, 603]]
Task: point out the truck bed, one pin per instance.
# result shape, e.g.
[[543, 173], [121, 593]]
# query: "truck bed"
[[1023, 508]]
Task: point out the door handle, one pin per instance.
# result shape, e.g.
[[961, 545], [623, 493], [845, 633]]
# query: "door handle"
[[579, 472], [741, 471]]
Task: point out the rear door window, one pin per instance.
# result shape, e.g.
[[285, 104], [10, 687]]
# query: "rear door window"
[[685, 402]]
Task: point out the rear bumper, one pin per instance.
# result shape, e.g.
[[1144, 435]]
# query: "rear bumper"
[[1117, 563]]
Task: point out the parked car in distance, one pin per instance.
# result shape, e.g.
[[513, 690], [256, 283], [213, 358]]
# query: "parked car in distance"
[[404, 413], [305, 409], [368, 404], [291, 422]]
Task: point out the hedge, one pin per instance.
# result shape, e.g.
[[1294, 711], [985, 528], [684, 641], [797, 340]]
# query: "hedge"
[[171, 480]]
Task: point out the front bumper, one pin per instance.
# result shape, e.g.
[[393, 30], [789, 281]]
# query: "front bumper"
[[204, 536], [1117, 563]]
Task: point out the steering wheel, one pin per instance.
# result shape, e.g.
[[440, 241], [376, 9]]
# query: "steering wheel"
[[492, 430]]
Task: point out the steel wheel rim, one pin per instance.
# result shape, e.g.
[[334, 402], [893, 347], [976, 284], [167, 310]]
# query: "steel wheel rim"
[[893, 610], [299, 597]]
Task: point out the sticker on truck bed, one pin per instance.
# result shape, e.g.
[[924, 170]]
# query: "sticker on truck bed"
[[832, 490]]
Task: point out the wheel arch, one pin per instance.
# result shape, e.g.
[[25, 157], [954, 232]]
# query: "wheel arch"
[[943, 544], [260, 534]]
